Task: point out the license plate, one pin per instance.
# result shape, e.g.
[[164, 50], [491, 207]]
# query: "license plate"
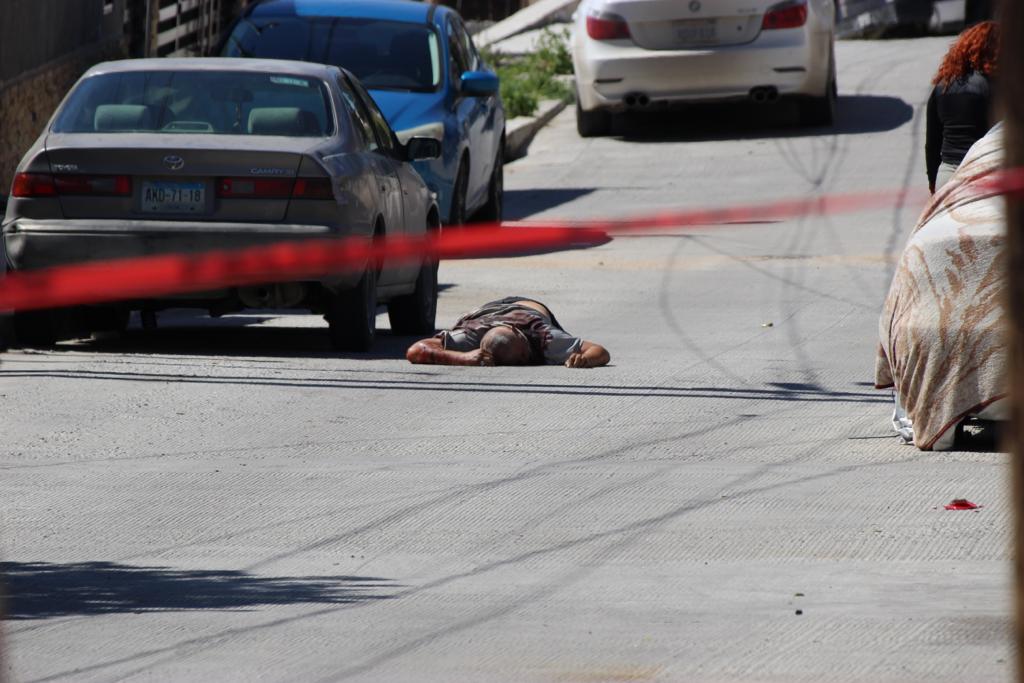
[[696, 31], [160, 196]]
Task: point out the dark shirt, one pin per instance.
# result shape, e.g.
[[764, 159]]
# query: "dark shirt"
[[958, 116]]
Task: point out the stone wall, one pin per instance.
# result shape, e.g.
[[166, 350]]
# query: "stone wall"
[[28, 101]]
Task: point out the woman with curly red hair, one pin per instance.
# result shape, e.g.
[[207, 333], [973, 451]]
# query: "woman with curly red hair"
[[959, 109]]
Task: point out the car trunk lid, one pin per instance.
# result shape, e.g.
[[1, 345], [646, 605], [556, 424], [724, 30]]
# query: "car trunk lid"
[[691, 24], [174, 177]]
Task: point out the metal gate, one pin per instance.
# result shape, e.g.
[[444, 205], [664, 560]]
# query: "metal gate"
[[177, 28], [188, 27]]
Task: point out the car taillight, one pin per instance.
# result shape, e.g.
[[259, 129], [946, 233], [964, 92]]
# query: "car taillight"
[[46, 185], [104, 185], [313, 188], [785, 15], [607, 27], [274, 188], [258, 188], [33, 185]]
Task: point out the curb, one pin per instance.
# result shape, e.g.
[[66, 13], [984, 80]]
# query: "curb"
[[520, 131]]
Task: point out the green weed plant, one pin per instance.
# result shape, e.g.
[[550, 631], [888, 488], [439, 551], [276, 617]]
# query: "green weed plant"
[[527, 79]]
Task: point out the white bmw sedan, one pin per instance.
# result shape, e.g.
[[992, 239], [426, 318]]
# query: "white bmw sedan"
[[633, 54]]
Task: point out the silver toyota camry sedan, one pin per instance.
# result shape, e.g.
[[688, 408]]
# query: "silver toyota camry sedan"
[[182, 155]]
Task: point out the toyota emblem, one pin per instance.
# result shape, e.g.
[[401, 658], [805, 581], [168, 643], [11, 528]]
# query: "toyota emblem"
[[694, 5], [176, 163]]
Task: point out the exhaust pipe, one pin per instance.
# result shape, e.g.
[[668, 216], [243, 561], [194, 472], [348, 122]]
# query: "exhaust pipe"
[[763, 94], [282, 295], [636, 100]]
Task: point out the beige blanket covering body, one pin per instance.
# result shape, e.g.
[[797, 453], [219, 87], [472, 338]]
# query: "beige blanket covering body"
[[942, 328]]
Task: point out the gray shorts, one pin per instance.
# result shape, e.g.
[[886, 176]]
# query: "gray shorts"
[[944, 173]]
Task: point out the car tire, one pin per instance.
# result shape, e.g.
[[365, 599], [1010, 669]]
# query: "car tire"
[[821, 111], [7, 339], [108, 320], [352, 319], [39, 328], [491, 211], [590, 124], [416, 313], [457, 213]]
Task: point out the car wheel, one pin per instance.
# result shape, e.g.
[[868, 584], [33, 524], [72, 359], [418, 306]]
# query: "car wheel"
[[821, 111], [457, 214], [108, 320], [491, 211], [39, 328], [7, 339], [591, 124], [352, 320], [415, 313]]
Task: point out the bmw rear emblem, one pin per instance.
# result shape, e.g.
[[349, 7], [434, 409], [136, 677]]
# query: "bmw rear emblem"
[[694, 5]]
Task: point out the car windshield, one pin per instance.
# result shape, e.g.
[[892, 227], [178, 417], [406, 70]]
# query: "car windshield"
[[198, 102], [386, 55]]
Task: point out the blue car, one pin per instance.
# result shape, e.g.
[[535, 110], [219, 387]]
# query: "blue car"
[[420, 65]]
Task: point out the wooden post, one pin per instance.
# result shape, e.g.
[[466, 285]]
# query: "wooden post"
[[150, 19], [1011, 92]]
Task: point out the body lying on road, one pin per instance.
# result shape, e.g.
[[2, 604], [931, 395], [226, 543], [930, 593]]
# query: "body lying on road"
[[511, 331]]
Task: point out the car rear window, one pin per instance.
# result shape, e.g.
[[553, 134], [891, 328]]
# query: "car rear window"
[[198, 102], [383, 54]]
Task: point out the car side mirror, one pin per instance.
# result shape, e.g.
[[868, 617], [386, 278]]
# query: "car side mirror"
[[479, 83], [422, 148]]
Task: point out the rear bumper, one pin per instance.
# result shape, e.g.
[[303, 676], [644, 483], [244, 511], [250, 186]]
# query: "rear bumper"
[[32, 244], [794, 61]]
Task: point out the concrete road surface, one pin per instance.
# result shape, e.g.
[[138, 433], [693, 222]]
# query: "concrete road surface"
[[227, 500]]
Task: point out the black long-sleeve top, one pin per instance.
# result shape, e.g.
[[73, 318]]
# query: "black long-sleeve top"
[[958, 115]]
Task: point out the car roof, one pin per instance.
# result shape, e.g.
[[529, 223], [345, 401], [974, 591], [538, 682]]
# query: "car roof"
[[279, 66], [396, 10]]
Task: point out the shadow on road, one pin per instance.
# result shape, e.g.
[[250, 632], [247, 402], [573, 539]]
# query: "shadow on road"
[[858, 114], [432, 383], [193, 332], [229, 337], [520, 204], [41, 590]]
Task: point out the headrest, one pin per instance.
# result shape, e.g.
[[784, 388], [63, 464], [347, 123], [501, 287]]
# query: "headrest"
[[410, 53], [123, 117], [283, 121], [356, 57]]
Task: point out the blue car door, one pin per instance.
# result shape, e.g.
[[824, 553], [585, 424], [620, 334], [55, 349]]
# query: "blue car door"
[[475, 115]]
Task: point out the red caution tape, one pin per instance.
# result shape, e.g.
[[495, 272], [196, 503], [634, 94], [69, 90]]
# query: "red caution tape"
[[153, 276]]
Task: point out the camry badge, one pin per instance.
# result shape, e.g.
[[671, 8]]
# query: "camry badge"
[[694, 5], [176, 163]]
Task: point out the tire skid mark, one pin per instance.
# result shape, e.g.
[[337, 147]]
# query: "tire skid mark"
[[194, 645]]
